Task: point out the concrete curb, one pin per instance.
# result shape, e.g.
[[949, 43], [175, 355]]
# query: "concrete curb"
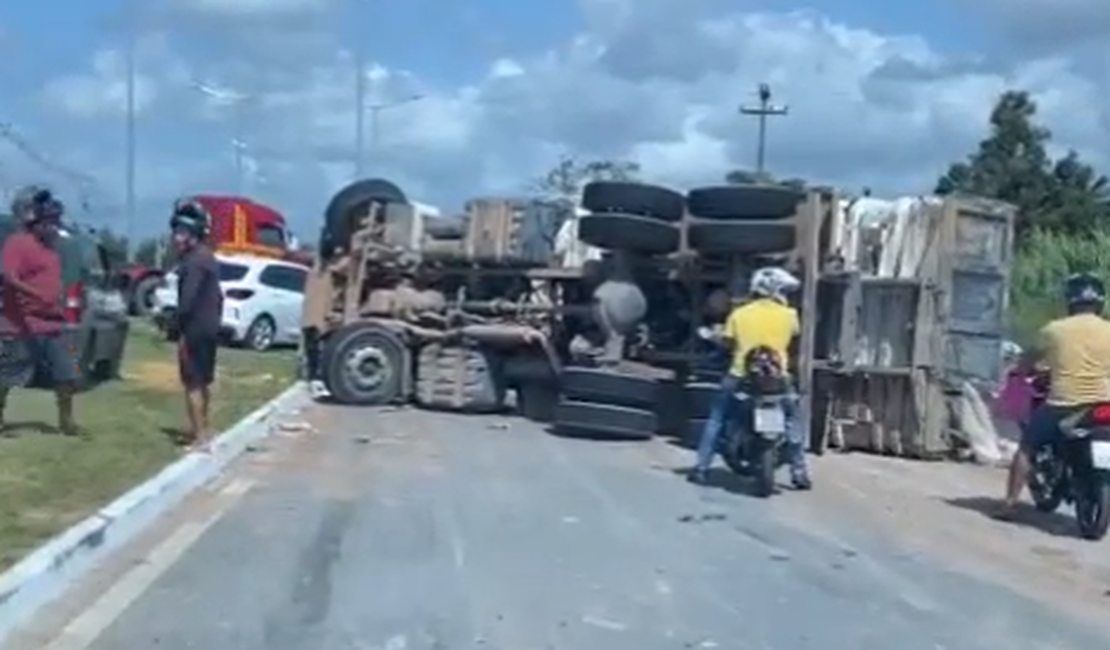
[[51, 569]]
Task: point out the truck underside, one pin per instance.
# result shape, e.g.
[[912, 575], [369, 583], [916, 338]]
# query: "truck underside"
[[476, 313]]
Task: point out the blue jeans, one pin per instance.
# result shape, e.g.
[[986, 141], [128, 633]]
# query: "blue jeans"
[[726, 407], [1043, 428]]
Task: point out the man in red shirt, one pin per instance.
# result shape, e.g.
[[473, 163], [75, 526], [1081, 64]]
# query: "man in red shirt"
[[31, 315]]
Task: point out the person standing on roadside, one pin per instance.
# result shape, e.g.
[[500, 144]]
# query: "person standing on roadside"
[[31, 317], [199, 312]]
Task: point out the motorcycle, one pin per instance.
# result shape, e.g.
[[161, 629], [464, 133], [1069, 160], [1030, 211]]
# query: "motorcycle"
[[1076, 470], [753, 443]]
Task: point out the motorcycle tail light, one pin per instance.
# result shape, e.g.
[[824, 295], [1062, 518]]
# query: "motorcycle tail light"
[[1100, 414]]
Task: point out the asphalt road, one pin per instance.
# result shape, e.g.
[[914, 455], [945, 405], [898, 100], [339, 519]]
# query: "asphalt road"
[[403, 530]]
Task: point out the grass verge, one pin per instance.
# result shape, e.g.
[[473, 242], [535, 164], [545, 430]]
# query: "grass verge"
[[49, 482]]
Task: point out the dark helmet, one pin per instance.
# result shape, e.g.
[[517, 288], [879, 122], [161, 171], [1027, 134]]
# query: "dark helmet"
[[191, 216], [1084, 289], [32, 204]]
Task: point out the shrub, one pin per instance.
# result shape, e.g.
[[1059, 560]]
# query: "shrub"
[[1042, 262]]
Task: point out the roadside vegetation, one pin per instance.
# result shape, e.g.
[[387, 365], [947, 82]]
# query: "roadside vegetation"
[[1064, 208], [49, 482]]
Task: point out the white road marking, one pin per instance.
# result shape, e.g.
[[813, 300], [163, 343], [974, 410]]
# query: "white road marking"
[[83, 630]]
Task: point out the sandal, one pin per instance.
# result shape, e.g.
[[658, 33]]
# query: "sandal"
[[71, 430], [1006, 512]]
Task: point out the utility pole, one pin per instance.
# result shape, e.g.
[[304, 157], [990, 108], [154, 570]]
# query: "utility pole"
[[360, 95], [360, 110], [762, 112], [129, 174]]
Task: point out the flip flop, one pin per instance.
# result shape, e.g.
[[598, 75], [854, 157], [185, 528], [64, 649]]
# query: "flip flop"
[[74, 431], [1005, 513]]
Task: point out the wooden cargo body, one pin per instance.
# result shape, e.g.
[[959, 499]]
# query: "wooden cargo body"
[[898, 327]]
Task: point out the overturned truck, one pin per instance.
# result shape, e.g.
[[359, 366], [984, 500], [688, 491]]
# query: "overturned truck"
[[459, 317]]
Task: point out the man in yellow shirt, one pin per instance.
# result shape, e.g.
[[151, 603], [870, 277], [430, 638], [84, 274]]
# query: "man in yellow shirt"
[[765, 320], [1076, 350]]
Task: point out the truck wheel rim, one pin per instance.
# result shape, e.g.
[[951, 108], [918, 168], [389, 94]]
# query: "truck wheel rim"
[[368, 368]]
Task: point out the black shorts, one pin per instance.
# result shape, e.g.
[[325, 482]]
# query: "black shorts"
[[40, 360], [196, 359]]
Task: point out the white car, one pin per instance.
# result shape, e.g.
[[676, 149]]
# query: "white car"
[[262, 300]]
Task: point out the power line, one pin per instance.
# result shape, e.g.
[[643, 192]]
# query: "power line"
[[86, 185], [762, 112]]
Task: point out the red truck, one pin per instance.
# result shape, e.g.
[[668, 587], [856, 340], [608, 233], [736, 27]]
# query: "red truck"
[[239, 226]]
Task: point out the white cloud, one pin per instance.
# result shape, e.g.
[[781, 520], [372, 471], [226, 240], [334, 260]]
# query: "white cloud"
[[103, 92], [255, 8], [660, 85]]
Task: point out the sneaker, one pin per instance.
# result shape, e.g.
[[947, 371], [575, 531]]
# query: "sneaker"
[[802, 483], [698, 477], [318, 389]]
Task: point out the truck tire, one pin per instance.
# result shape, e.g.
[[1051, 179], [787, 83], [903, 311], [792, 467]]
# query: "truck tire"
[[602, 386], [456, 378], [445, 229], [537, 400], [743, 202], [670, 408], [650, 201], [340, 215], [740, 237], [699, 399], [619, 231], [142, 295], [364, 365], [614, 422], [692, 434]]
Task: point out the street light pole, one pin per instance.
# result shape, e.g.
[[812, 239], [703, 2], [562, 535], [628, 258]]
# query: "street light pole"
[[237, 100], [375, 111], [131, 144], [765, 109]]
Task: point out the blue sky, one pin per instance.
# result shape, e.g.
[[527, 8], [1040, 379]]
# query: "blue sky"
[[881, 94]]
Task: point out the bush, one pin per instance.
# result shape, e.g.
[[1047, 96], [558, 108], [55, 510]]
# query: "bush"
[[1042, 262]]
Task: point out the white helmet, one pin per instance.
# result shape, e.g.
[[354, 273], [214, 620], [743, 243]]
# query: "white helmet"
[[773, 282]]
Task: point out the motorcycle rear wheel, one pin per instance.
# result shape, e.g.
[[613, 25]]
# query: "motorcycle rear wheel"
[[1046, 483], [1092, 509], [765, 462]]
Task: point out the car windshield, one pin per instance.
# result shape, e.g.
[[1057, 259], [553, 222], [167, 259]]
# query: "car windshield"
[[80, 259], [271, 236], [230, 272]]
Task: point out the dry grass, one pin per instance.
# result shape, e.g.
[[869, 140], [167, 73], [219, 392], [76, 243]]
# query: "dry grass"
[[48, 482]]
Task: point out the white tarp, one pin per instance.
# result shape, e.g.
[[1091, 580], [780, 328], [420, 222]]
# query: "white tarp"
[[897, 230], [569, 252]]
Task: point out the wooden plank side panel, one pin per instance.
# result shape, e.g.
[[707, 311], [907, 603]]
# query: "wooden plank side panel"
[[885, 332], [982, 234]]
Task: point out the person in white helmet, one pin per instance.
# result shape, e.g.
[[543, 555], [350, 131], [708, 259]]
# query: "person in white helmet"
[[766, 319]]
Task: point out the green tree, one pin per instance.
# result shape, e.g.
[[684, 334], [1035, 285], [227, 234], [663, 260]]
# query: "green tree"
[[564, 181], [747, 177], [1012, 164], [148, 251], [115, 245]]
